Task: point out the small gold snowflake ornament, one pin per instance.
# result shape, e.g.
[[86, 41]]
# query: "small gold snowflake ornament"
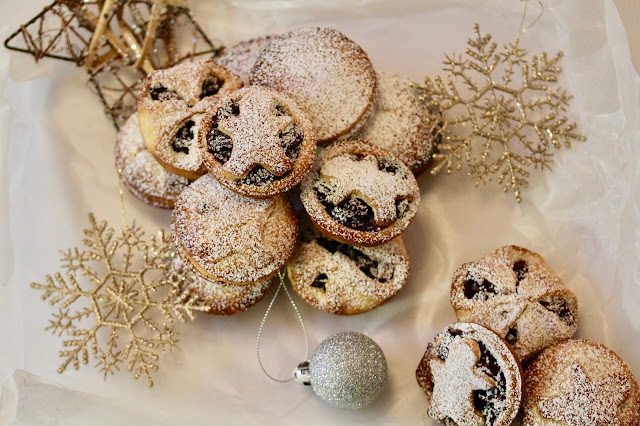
[[505, 118], [116, 302]]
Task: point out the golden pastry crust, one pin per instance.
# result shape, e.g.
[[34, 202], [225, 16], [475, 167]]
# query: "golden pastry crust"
[[141, 173], [232, 238], [471, 376], [401, 123], [329, 76], [513, 292], [358, 193], [220, 298], [257, 142], [578, 382], [240, 58], [344, 279], [170, 105]]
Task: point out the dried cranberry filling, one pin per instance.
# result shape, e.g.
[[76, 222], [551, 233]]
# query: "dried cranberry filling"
[[478, 290], [363, 262], [210, 86], [183, 138], [353, 212], [559, 307], [161, 93]]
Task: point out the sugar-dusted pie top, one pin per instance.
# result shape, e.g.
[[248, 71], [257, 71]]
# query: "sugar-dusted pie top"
[[327, 74], [578, 382], [516, 294], [401, 123], [240, 58], [360, 194], [231, 237], [470, 375]]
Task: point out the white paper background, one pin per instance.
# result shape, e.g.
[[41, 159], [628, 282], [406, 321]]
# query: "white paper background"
[[56, 165]]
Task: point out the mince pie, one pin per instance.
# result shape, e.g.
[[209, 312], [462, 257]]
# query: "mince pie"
[[340, 278], [359, 194], [170, 105], [232, 238], [470, 377], [513, 292], [257, 142]]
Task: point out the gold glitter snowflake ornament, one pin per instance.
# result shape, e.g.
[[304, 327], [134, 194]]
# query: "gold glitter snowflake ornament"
[[116, 301], [507, 116]]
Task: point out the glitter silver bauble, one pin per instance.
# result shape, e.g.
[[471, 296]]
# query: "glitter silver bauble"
[[347, 370]]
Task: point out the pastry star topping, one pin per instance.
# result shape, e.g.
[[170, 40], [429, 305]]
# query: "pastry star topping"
[[588, 403], [255, 135], [365, 180], [454, 382], [237, 225]]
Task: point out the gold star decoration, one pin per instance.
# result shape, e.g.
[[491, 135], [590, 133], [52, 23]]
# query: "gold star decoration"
[[454, 382], [364, 177], [117, 301], [117, 41], [587, 402], [255, 134], [504, 113]]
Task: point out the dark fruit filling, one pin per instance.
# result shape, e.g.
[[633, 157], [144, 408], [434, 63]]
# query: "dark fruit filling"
[[210, 86], [520, 268], [183, 138], [512, 336], [280, 111], [369, 266], [219, 144], [320, 282], [559, 307], [478, 290], [290, 140], [161, 93], [353, 212], [259, 176], [488, 402], [387, 165]]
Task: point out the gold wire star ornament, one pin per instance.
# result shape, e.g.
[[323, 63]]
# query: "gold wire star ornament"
[[504, 113], [117, 301], [117, 41]]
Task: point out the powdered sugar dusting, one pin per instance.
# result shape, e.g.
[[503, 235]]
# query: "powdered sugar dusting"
[[519, 297], [347, 289], [241, 57], [327, 74], [221, 298], [578, 382], [401, 123], [454, 380], [141, 173], [255, 136], [380, 189], [230, 237], [500, 403], [296, 141], [315, 183], [169, 124]]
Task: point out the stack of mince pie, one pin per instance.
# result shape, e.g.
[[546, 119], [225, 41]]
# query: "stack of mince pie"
[[512, 354], [230, 144]]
